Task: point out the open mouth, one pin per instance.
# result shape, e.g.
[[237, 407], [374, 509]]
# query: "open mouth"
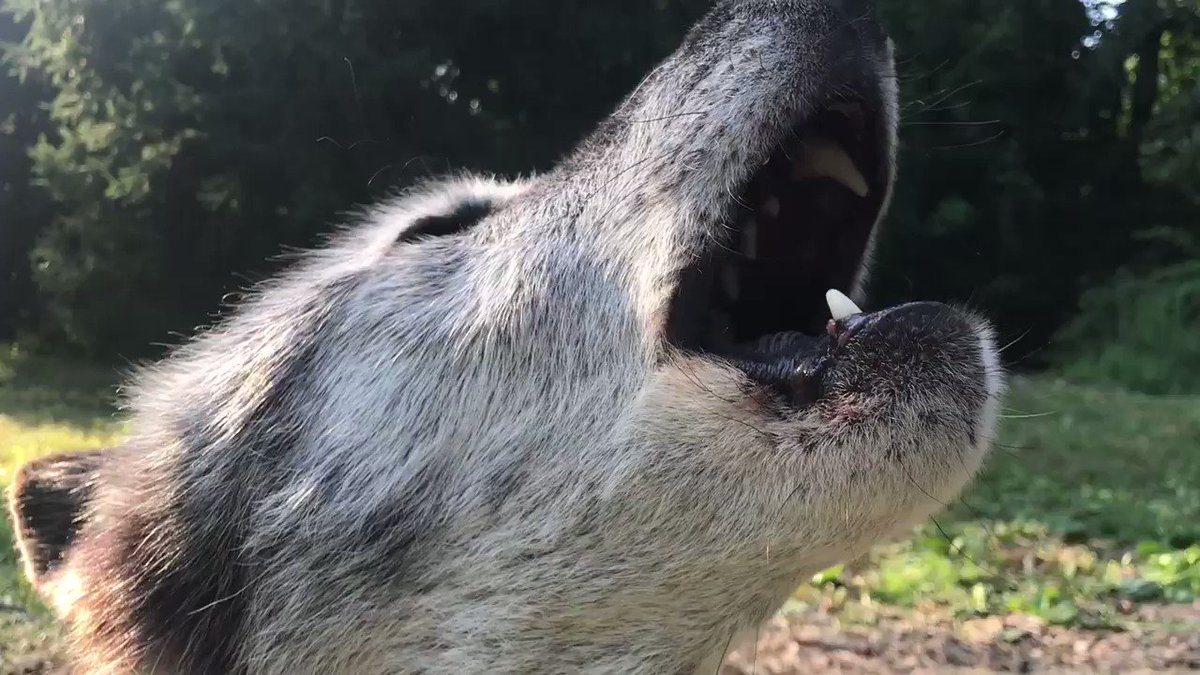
[[798, 228]]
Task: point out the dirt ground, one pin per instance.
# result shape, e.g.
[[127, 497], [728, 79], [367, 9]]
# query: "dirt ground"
[[1165, 640]]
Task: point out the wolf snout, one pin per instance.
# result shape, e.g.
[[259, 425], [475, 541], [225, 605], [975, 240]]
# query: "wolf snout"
[[925, 345], [918, 315], [848, 6], [851, 9]]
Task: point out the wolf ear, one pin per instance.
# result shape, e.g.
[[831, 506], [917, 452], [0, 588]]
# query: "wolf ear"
[[46, 504]]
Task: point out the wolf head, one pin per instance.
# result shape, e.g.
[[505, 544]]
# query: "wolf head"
[[599, 420]]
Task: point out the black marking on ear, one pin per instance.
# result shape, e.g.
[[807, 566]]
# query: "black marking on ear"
[[46, 504], [461, 219]]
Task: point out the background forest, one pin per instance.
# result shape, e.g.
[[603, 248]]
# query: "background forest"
[[155, 154]]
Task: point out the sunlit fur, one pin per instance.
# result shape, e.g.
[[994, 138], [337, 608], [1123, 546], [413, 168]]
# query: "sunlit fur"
[[476, 452]]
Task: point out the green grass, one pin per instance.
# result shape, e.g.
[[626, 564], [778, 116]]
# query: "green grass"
[[45, 407], [1091, 504]]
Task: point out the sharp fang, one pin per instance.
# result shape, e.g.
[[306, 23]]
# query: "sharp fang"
[[771, 207], [840, 306], [750, 240], [825, 159]]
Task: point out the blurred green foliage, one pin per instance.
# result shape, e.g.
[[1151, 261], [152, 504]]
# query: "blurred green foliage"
[[1091, 497], [157, 154], [191, 140], [1039, 143], [1141, 331]]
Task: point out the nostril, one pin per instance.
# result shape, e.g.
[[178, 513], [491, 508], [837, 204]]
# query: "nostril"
[[805, 387]]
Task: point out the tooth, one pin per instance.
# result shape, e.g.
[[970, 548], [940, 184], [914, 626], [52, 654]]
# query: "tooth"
[[771, 207], [750, 240], [825, 159], [840, 306]]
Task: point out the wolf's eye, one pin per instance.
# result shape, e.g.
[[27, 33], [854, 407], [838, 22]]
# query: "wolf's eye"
[[467, 215]]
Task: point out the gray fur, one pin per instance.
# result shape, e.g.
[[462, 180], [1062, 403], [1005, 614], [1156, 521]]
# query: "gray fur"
[[475, 452]]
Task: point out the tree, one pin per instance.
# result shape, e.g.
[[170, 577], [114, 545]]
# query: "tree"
[[1022, 180], [196, 137], [23, 209]]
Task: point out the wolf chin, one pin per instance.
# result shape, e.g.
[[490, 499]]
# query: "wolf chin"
[[603, 420]]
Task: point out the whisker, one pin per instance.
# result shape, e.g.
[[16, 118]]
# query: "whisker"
[[943, 95], [1021, 448], [951, 124], [757, 641], [959, 146], [648, 120], [1011, 585], [1030, 416], [1011, 344]]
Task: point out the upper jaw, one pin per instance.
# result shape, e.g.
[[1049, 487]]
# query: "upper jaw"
[[749, 169], [800, 225], [796, 207]]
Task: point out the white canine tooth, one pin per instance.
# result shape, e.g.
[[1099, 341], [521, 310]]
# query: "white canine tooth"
[[750, 240], [824, 158], [771, 207], [840, 306]]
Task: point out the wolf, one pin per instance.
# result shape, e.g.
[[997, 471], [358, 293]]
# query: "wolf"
[[600, 420]]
